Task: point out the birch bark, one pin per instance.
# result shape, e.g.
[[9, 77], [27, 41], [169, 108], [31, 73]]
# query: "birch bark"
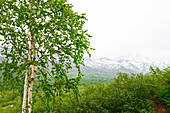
[[25, 93], [33, 68], [32, 79], [26, 80], [30, 90]]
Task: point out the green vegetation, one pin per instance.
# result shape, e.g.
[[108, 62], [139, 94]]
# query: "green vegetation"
[[94, 81], [164, 94], [9, 101], [37, 35], [127, 93]]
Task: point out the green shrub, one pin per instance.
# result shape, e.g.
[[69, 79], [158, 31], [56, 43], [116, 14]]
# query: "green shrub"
[[164, 94]]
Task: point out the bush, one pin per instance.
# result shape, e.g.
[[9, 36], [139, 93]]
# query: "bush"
[[164, 94], [126, 93]]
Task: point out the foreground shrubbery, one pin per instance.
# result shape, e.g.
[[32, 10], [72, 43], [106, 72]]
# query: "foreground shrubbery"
[[9, 102], [164, 94], [126, 93]]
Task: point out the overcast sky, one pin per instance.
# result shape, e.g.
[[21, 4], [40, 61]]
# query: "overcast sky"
[[127, 27]]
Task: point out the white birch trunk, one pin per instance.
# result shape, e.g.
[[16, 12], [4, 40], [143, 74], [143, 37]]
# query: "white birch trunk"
[[32, 79], [26, 82], [30, 90], [25, 93]]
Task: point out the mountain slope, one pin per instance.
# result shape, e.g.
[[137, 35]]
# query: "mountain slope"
[[105, 67]]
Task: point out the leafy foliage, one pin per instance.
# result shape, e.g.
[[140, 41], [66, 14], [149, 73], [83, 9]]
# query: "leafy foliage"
[[38, 34], [164, 93], [8, 99], [126, 93]]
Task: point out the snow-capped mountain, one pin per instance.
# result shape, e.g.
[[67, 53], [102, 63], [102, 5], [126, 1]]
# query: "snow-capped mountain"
[[106, 67], [127, 64]]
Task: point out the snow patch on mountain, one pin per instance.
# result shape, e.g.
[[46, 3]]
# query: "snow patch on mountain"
[[125, 63]]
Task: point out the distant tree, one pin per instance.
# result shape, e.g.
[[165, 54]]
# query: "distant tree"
[[38, 34]]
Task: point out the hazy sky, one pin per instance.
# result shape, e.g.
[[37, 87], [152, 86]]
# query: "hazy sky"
[[127, 27]]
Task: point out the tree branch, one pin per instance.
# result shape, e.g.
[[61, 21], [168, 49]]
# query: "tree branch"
[[51, 75], [56, 51], [25, 38], [18, 51]]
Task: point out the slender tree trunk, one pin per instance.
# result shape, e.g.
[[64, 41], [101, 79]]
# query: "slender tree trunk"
[[25, 93], [29, 59], [30, 90], [32, 79]]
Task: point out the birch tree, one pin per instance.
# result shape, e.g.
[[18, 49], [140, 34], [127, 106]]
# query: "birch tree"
[[38, 34]]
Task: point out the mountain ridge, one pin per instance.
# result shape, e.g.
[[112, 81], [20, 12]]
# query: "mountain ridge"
[[108, 67]]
